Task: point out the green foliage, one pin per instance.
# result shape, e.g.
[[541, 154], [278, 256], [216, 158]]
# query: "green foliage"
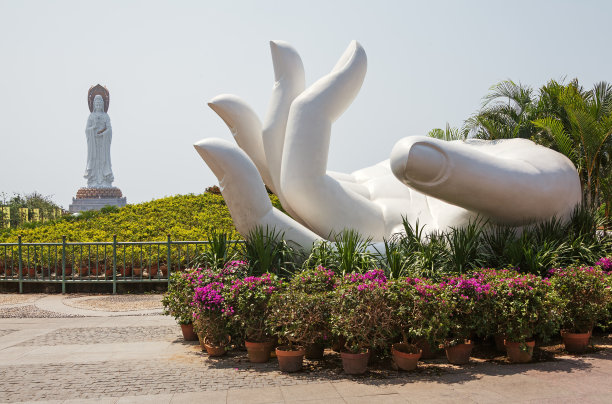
[[322, 254], [448, 134], [582, 297], [465, 247], [266, 251], [177, 300], [524, 307], [421, 312], [317, 280], [33, 200], [299, 317], [361, 313], [352, 253], [183, 217], [533, 249], [574, 121], [249, 298], [218, 251]]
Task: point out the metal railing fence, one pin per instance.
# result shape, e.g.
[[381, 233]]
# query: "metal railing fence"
[[96, 262]]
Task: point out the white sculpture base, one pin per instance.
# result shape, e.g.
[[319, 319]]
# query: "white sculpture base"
[[96, 199]]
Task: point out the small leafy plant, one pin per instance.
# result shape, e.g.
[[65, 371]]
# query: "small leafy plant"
[[469, 301], [361, 312], [582, 296], [421, 312], [249, 298], [177, 300], [524, 306], [211, 314]]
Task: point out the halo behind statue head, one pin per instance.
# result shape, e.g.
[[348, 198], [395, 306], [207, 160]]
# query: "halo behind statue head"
[[101, 91]]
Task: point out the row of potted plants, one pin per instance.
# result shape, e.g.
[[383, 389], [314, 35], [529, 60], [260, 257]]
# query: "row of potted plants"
[[363, 312]]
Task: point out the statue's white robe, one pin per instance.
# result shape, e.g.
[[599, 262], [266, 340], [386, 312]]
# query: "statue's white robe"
[[98, 172]]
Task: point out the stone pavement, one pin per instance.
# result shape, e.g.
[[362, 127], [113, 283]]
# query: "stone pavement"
[[76, 355]]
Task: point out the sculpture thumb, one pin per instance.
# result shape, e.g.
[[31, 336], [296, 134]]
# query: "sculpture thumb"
[[245, 194], [524, 184]]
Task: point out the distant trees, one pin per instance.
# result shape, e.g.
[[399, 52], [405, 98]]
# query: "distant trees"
[[45, 205]]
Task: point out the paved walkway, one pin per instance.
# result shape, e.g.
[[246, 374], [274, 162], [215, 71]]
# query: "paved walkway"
[[137, 356]]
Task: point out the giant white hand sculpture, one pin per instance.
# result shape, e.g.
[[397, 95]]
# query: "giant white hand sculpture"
[[441, 184]]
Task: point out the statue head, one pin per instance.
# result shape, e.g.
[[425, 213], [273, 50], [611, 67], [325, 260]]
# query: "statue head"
[[98, 104]]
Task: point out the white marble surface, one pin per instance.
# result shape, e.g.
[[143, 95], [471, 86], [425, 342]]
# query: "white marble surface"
[[440, 184], [99, 133]]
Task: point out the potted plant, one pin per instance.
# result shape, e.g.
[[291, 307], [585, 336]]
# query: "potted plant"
[[320, 281], [421, 318], [362, 314], [177, 302], [299, 318], [582, 297], [249, 297], [524, 308], [470, 315], [211, 317]]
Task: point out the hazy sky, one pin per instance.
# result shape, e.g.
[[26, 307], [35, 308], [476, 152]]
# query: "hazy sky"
[[429, 62]]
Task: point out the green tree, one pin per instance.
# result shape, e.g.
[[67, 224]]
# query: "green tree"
[[507, 112], [578, 123], [448, 133]]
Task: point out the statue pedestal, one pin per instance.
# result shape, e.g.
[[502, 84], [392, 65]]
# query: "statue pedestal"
[[96, 199]]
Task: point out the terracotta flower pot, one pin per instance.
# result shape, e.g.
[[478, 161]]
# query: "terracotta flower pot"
[[68, 270], [459, 354], [315, 351], [426, 351], [214, 349], [83, 271], [258, 352], [576, 342], [127, 272], [137, 271], [29, 272], [290, 360], [355, 364], [339, 343], [499, 342], [188, 333], [518, 355], [406, 356]]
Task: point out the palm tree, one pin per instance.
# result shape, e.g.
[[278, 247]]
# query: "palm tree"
[[507, 112], [448, 133], [578, 123]]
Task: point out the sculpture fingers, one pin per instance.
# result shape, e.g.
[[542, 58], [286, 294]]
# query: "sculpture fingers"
[[245, 194], [289, 82], [245, 127], [513, 182], [325, 204]]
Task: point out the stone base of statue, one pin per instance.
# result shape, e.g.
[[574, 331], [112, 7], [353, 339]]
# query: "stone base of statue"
[[96, 199]]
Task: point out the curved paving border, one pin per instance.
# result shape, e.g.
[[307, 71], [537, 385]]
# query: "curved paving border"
[[56, 304]]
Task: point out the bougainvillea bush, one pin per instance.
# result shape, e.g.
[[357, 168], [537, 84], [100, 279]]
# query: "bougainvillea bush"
[[421, 310], [605, 263], [369, 311], [300, 312], [470, 307], [524, 306], [361, 312], [211, 313], [582, 297], [249, 298], [177, 300]]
